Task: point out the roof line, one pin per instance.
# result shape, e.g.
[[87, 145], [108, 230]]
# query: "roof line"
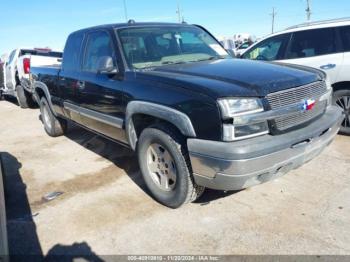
[[345, 19]]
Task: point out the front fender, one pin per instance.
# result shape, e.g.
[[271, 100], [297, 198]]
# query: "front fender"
[[177, 118]]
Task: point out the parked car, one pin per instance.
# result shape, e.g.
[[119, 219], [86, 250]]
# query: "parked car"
[[243, 38], [324, 45], [229, 45], [2, 83], [17, 70], [196, 117], [241, 48]]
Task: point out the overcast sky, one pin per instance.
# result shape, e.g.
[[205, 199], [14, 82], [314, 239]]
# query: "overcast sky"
[[42, 23]]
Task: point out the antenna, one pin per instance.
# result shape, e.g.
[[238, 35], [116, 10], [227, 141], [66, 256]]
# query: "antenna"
[[273, 19], [125, 11], [308, 10], [179, 13]]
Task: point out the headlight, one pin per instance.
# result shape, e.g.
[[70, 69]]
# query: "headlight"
[[235, 109], [328, 83], [329, 95], [232, 107]]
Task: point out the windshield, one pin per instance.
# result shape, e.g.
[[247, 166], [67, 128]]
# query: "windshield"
[[146, 47], [41, 53]]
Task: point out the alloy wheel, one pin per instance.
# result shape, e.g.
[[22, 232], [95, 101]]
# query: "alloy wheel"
[[161, 167], [344, 103]]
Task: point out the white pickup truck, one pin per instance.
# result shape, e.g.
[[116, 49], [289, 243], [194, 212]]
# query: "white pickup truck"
[[17, 72]]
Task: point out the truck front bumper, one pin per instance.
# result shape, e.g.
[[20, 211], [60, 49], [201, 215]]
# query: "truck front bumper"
[[242, 164]]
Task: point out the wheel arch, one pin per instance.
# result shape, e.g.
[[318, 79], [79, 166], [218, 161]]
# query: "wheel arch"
[[140, 115], [344, 85], [41, 90]]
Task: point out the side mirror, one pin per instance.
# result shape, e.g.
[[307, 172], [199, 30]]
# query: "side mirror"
[[106, 66]]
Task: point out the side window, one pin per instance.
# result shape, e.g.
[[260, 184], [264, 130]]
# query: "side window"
[[311, 43], [71, 52], [244, 46], [269, 49], [345, 35], [99, 46], [12, 55], [134, 47]]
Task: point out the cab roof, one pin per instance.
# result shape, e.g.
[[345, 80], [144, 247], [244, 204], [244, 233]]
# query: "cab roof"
[[131, 24]]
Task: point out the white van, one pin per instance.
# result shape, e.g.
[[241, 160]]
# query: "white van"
[[324, 45]]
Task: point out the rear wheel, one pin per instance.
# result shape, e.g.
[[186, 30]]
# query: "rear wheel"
[[165, 166], [21, 97], [53, 126], [24, 98], [341, 98]]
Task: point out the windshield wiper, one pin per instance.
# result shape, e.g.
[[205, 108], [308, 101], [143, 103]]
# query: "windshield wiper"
[[209, 58], [173, 62]]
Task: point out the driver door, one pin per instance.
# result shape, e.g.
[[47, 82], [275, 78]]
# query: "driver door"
[[100, 95]]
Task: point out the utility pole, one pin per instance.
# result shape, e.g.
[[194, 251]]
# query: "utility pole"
[[273, 19], [308, 10]]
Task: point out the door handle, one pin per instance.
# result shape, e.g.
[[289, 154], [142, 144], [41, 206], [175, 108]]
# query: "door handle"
[[81, 84], [328, 66]]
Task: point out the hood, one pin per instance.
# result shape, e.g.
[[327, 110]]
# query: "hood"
[[234, 77]]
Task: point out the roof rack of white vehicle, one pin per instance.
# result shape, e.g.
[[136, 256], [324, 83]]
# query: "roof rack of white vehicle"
[[345, 19]]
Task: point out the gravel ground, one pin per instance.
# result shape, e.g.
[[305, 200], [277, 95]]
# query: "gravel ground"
[[105, 208]]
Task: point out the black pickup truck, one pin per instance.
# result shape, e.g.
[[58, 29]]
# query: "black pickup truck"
[[195, 116]]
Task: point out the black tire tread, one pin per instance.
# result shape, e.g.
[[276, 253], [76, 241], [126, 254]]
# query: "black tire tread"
[[59, 126], [337, 94], [179, 142], [21, 97]]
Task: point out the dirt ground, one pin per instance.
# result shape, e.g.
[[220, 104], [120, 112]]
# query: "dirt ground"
[[105, 208]]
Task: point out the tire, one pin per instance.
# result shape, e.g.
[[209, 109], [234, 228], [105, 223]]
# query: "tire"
[[21, 97], [180, 187], [341, 98], [54, 126]]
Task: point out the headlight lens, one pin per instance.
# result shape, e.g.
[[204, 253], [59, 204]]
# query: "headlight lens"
[[328, 83], [232, 107], [232, 133]]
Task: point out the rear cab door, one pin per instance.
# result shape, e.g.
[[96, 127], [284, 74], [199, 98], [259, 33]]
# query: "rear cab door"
[[66, 97], [318, 48]]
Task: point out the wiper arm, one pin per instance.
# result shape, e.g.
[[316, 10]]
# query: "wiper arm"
[[209, 58], [173, 62]]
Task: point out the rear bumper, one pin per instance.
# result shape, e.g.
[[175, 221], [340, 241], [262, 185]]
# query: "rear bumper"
[[242, 164]]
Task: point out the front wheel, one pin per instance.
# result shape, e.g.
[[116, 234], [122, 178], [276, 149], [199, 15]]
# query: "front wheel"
[[53, 126], [165, 166], [341, 98]]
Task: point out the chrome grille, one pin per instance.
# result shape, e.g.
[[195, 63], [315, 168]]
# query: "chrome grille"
[[294, 96]]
